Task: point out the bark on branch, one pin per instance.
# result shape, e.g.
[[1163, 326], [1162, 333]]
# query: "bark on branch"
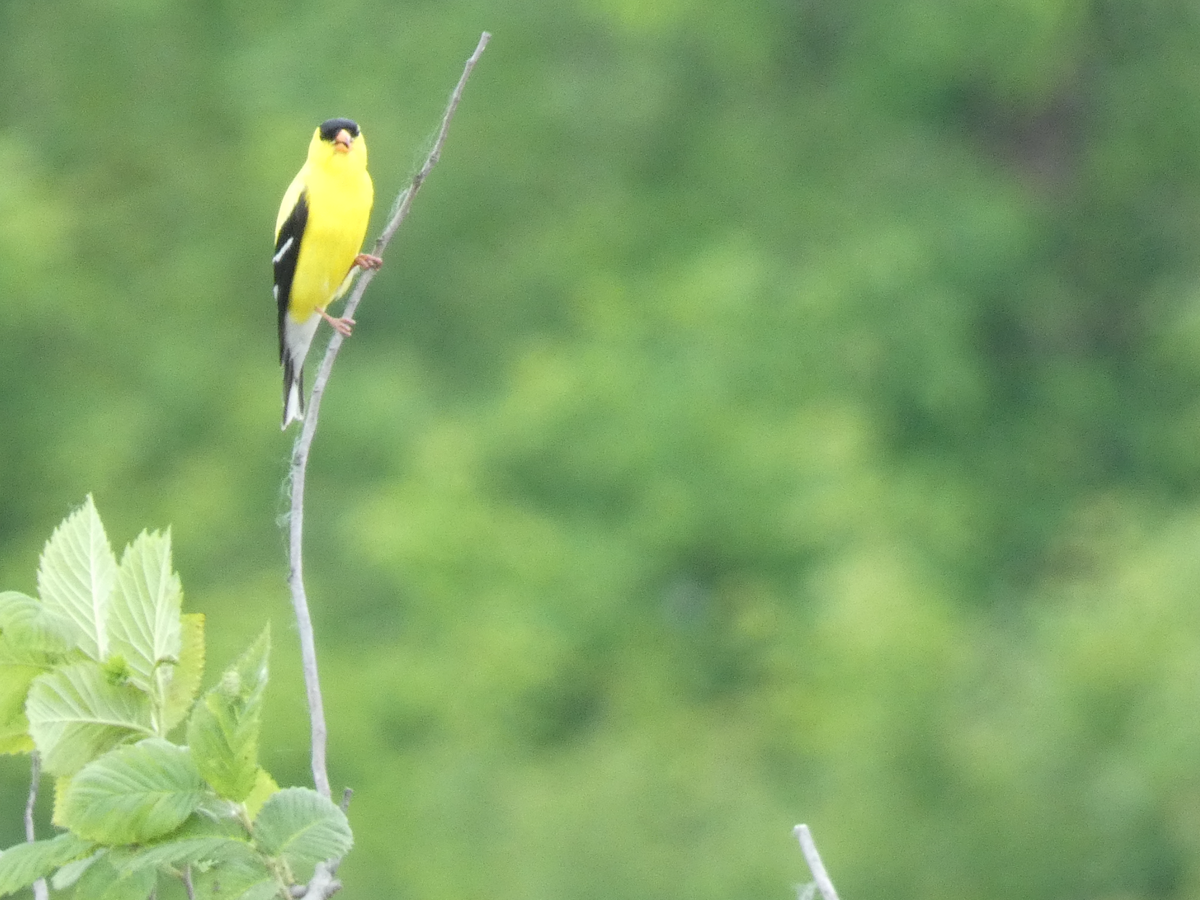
[[324, 883]]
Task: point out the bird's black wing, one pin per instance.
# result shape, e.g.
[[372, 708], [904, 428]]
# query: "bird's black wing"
[[287, 251]]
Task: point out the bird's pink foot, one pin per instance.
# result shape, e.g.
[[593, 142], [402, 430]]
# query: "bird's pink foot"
[[367, 261], [340, 325]]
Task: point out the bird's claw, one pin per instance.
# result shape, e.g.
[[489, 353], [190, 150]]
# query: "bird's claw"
[[367, 261], [341, 325]]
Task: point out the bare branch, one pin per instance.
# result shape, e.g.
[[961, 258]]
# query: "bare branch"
[[322, 886], [35, 765], [300, 451], [813, 858], [41, 890]]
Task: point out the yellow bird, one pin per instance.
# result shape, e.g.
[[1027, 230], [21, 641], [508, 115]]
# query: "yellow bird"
[[318, 234]]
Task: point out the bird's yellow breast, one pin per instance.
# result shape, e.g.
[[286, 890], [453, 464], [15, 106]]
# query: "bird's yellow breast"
[[339, 195]]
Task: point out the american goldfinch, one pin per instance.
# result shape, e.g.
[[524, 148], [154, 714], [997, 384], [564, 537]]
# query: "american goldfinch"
[[318, 233]]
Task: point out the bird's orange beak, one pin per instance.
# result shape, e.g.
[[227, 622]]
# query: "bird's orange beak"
[[342, 142]]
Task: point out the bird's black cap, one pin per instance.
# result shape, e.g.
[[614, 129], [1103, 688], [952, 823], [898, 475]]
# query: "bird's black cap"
[[331, 127]]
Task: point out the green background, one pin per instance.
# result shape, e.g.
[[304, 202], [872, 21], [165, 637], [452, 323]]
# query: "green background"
[[771, 412]]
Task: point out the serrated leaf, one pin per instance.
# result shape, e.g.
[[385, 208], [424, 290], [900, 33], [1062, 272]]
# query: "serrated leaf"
[[143, 615], [102, 881], [32, 641], [225, 743], [76, 713], [15, 679], [134, 794], [238, 879], [302, 828], [223, 729], [60, 790], [251, 666], [186, 676], [67, 875], [76, 575], [264, 787], [15, 742], [29, 625], [186, 851], [214, 818], [22, 865]]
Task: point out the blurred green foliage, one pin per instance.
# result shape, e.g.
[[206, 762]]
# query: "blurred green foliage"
[[771, 412]]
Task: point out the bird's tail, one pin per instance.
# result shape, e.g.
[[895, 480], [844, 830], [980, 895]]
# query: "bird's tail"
[[297, 337], [293, 392]]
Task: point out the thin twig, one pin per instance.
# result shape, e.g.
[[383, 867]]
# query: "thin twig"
[[300, 451], [35, 765], [187, 882], [322, 885], [41, 890], [813, 858]]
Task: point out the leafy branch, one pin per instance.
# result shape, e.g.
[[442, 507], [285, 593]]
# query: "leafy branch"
[[96, 673], [99, 670]]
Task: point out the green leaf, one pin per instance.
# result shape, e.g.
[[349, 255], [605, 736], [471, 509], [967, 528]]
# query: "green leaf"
[[223, 729], [76, 713], [214, 818], [225, 743], [264, 787], [245, 878], [143, 617], [185, 679], [251, 667], [22, 865], [103, 881], [193, 850], [133, 794], [76, 576], [29, 625], [32, 640], [15, 741], [15, 679], [303, 828], [67, 875], [61, 783]]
